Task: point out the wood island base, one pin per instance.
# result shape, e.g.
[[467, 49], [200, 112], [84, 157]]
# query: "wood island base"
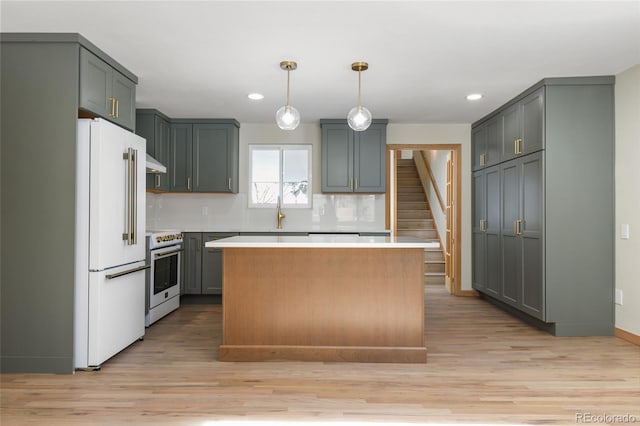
[[323, 304]]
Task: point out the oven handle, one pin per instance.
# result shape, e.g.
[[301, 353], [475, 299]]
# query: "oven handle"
[[130, 271], [166, 253]]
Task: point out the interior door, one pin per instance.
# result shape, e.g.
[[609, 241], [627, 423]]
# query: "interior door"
[[116, 206]]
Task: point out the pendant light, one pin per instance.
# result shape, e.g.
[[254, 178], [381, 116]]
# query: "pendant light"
[[359, 117], [288, 117]]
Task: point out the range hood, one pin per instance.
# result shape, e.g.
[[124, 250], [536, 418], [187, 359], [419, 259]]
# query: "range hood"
[[154, 166]]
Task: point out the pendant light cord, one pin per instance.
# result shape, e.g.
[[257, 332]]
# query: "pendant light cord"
[[359, 102], [288, 72]]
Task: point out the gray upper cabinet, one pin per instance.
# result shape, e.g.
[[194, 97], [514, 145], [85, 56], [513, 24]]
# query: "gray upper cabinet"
[[154, 127], [181, 158], [215, 158], [523, 126], [353, 161], [204, 156], [549, 258], [106, 92], [486, 143]]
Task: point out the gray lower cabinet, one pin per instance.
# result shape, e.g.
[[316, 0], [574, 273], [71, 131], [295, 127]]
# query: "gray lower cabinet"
[[353, 161], [486, 230], [105, 91], [521, 233], [204, 156], [543, 219], [155, 128], [192, 263], [202, 265]]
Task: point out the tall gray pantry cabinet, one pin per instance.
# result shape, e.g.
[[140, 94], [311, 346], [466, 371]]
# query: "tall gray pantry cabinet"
[[42, 88], [543, 207]]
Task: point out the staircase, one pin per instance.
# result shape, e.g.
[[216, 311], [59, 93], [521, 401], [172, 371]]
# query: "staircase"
[[415, 220]]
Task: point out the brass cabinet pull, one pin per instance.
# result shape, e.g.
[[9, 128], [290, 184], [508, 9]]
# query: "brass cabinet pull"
[[112, 113], [198, 244], [189, 183], [517, 146], [229, 183], [117, 113], [517, 227], [483, 225], [157, 181], [482, 159], [351, 184], [356, 183]]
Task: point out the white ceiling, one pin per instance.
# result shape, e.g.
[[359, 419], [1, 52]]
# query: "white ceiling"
[[202, 58]]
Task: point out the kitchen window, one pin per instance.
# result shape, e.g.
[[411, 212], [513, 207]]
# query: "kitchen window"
[[280, 171]]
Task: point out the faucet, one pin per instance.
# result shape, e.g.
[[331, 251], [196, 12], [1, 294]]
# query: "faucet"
[[279, 215]]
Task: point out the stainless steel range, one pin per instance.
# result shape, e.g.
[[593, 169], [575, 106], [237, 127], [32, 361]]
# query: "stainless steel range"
[[164, 252]]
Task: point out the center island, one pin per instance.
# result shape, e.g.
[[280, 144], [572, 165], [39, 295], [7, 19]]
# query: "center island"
[[323, 298]]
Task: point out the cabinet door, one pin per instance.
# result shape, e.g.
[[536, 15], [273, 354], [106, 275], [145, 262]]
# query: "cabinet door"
[[124, 92], [510, 131], [181, 158], [337, 158], [192, 263], [492, 230], [478, 146], [162, 148], [369, 166], [494, 142], [533, 122], [532, 231], [212, 264], [95, 84], [213, 152], [510, 243], [478, 276]]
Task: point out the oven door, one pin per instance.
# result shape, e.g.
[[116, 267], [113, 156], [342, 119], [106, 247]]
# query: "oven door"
[[164, 274]]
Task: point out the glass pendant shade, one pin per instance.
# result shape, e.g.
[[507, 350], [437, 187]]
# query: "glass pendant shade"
[[287, 117], [359, 118]]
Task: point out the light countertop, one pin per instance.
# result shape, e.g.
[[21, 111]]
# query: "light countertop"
[[321, 241]]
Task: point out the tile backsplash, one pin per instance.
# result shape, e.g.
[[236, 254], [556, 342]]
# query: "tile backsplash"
[[230, 212]]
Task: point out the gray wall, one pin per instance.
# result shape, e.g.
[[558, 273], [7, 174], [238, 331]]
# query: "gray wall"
[[38, 145]]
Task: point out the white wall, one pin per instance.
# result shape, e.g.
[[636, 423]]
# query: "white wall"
[[627, 103], [433, 134]]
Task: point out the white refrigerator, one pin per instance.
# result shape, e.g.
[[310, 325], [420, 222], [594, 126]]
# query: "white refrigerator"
[[110, 242]]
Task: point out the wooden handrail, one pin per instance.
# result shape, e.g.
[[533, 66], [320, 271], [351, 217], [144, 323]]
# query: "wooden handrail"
[[431, 178]]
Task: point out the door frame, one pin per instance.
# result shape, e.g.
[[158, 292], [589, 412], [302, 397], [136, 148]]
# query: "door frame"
[[456, 149]]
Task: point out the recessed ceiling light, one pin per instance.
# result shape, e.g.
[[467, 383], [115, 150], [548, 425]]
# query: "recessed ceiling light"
[[474, 97], [255, 96]]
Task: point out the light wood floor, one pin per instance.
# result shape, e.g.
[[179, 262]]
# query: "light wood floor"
[[483, 367]]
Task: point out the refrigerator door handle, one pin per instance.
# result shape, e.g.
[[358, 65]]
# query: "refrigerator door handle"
[[127, 272], [130, 236], [134, 196]]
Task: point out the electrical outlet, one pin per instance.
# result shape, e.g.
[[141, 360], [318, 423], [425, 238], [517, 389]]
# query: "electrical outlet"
[[618, 296]]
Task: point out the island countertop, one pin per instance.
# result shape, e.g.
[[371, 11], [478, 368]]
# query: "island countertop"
[[321, 241]]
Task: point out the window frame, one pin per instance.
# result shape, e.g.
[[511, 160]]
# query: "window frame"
[[281, 148]]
